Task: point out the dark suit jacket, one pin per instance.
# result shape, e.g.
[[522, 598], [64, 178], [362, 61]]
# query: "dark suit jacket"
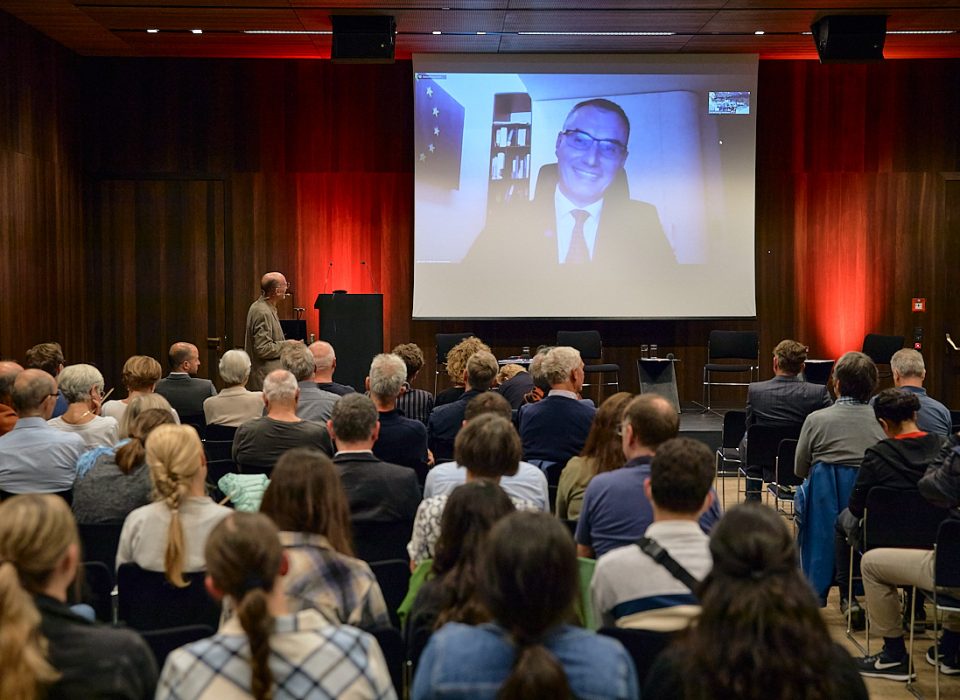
[[377, 491], [444, 424], [784, 401], [515, 388], [555, 428], [402, 441], [185, 393]]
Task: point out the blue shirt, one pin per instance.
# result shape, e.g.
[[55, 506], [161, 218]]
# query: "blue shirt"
[[933, 416], [461, 661], [616, 511], [529, 483], [35, 458]]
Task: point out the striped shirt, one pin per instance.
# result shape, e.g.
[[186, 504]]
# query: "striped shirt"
[[416, 404]]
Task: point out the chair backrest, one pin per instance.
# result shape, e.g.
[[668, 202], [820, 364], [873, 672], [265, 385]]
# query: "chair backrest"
[[97, 585], [729, 345], [446, 342], [197, 420], [588, 343], [947, 566], [763, 442], [218, 450], [147, 601], [381, 541], [734, 426], [643, 646], [955, 420], [818, 372], [100, 543], [217, 432], [393, 576], [394, 653], [880, 348], [786, 455], [900, 518], [162, 642]]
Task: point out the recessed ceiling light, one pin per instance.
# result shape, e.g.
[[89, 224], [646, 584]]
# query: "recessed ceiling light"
[[759, 32], [437, 33], [286, 31], [480, 33], [153, 31], [196, 31], [596, 33], [921, 31]]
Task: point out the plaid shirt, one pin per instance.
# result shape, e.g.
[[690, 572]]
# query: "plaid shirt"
[[341, 588], [309, 658]]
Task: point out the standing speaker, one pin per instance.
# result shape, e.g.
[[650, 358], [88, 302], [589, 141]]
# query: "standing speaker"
[[850, 38], [363, 38]]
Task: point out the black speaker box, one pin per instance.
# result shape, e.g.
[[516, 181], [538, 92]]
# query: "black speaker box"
[[363, 38], [850, 38]]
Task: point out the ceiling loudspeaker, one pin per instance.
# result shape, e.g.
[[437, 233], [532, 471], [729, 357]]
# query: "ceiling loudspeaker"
[[363, 38], [850, 38]]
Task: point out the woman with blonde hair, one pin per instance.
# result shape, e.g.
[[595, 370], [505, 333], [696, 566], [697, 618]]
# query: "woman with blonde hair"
[[169, 534], [456, 366], [140, 376], [46, 650]]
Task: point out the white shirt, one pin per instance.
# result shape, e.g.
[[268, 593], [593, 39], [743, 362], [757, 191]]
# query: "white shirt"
[[565, 223], [102, 430], [528, 484]]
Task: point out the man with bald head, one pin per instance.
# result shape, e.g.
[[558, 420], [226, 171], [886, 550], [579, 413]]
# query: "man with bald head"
[[8, 373], [34, 457], [185, 392], [264, 336], [325, 360]]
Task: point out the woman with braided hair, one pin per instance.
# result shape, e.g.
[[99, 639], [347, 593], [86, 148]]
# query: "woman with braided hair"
[[169, 534], [262, 651]]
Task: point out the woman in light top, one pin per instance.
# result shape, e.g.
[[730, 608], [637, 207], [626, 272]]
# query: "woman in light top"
[[140, 376], [82, 387]]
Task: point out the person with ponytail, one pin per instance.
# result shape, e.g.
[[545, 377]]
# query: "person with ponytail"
[[760, 633], [169, 534], [46, 650], [263, 651], [528, 583]]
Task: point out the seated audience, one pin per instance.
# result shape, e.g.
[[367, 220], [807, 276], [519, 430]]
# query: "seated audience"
[[140, 376], [235, 404], [541, 385], [305, 500], [632, 589], [8, 374], [314, 403], [415, 403], [446, 421], [529, 483], [886, 569], [601, 453], [489, 449], [119, 481], [169, 534], [456, 366], [265, 651], [325, 361], [82, 386], [450, 595], [616, 510], [401, 440], [528, 651], [514, 382], [759, 621], [182, 388], [376, 491], [47, 650], [49, 358], [35, 457], [555, 428], [909, 373], [259, 443]]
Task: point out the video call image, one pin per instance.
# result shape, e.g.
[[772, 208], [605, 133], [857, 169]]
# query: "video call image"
[[572, 187]]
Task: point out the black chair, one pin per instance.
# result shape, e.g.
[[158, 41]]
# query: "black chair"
[[763, 444], [785, 482], [946, 574], [198, 421], [162, 642], [880, 348], [393, 576], [731, 434], [445, 343], [220, 433], [217, 468], [100, 543], [730, 345], [147, 601], [394, 653], [381, 541], [218, 450], [955, 421], [643, 646], [552, 470], [95, 589], [818, 371], [590, 346]]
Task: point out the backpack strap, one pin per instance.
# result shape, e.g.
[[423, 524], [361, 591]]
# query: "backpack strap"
[[653, 550]]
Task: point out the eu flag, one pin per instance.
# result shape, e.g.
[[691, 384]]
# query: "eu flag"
[[439, 137]]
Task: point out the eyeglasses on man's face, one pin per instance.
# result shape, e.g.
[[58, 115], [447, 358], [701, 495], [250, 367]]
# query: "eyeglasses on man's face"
[[611, 149]]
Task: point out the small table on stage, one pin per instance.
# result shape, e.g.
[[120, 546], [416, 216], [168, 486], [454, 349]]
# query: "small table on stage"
[[522, 361], [657, 376]]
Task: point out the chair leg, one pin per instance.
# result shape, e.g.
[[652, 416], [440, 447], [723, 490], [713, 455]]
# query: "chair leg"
[[910, 665]]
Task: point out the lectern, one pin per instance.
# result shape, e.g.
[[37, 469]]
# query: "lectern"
[[353, 325]]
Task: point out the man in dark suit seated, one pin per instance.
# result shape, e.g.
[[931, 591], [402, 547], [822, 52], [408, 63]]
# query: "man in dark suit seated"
[[401, 440], [377, 491], [556, 428], [786, 400], [445, 421], [185, 392]]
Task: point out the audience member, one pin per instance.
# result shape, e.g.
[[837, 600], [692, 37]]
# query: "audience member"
[[35, 457], [82, 386], [264, 651], [528, 651], [616, 511], [49, 358], [415, 403], [488, 447], [376, 491], [235, 404], [305, 500], [909, 373], [456, 365], [601, 453], [514, 382], [119, 481], [556, 428], [259, 443], [47, 650], [182, 388], [263, 335], [401, 440], [529, 483], [630, 587], [169, 534], [325, 360], [446, 420], [314, 403], [541, 385], [450, 595], [759, 621], [8, 374], [781, 402], [140, 376]]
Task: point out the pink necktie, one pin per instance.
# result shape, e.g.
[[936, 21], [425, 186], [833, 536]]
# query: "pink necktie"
[[578, 253]]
